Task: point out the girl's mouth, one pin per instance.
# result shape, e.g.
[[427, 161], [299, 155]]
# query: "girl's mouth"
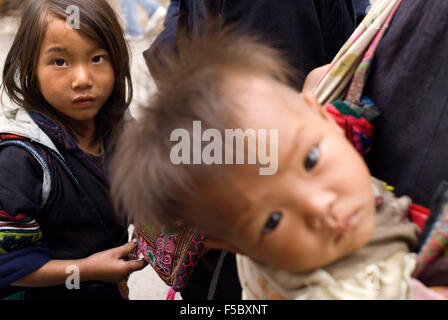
[[83, 100]]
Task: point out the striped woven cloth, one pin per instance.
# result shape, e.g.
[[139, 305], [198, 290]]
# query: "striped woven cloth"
[[17, 232], [345, 78]]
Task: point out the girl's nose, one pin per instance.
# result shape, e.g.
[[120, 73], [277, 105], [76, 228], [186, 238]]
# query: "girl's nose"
[[82, 78]]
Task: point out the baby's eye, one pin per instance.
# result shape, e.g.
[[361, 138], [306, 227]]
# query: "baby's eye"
[[312, 159], [59, 62], [272, 223]]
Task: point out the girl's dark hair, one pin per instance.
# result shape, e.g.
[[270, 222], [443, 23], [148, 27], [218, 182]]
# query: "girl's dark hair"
[[99, 22]]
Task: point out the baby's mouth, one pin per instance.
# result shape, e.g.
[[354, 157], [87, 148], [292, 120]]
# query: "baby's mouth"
[[345, 225]]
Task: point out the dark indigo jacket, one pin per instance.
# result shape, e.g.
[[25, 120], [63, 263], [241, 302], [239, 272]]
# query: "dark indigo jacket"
[[77, 220]]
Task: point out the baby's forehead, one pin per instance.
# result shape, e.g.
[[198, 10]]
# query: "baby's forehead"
[[222, 203], [255, 92]]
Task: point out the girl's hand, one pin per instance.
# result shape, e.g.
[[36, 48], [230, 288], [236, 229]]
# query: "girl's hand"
[[107, 266], [110, 265]]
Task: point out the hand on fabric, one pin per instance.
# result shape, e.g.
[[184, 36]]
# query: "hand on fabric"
[[111, 265], [107, 266]]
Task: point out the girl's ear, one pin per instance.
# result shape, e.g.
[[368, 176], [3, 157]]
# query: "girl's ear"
[[214, 243]]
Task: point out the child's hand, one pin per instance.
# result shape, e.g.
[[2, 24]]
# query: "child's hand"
[[111, 266]]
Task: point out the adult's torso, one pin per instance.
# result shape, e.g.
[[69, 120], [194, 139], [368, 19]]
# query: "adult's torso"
[[408, 82]]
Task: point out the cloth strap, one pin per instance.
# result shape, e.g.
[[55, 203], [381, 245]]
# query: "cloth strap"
[[348, 70]]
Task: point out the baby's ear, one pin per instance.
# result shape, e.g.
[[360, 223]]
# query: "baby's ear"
[[312, 102], [214, 243]]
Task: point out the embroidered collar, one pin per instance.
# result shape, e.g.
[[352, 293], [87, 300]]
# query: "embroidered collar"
[[54, 131]]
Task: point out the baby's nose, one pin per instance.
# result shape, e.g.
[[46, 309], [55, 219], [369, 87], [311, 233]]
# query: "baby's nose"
[[318, 208]]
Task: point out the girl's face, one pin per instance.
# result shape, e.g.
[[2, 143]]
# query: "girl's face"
[[75, 75]]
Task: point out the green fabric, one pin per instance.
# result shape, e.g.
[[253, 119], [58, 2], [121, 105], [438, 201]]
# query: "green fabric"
[[345, 109], [16, 296]]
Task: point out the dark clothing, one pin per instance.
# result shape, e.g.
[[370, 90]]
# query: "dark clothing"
[[167, 38], [172, 12], [77, 220], [308, 32], [436, 273], [228, 286], [361, 7], [408, 82]]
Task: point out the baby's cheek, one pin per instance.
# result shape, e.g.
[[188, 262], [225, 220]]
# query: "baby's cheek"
[[367, 227]]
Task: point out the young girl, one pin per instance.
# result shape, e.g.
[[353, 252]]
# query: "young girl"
[[72, 87]]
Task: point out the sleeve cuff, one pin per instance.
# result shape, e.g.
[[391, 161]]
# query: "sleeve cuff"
[[17, 264]]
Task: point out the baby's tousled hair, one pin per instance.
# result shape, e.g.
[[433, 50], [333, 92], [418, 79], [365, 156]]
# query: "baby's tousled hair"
[[97, 21], [191, 87]]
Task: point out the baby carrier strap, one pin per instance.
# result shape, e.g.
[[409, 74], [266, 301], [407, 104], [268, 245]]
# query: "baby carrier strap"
[[347, 75], [340, 89]]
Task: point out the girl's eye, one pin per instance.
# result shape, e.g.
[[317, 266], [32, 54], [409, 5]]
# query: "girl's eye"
[[97, 59], [312, 159], [272, 222], [59, 62]]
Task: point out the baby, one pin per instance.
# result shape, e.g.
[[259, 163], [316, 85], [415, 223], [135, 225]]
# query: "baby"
[[316, 227]]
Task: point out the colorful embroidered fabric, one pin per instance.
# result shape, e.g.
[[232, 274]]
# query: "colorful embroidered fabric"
[[18, 232], [435, 234], [359, 130], [173, 254], [124, 289]]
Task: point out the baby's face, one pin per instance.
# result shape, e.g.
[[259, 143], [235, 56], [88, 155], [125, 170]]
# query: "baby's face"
[[319, 206]]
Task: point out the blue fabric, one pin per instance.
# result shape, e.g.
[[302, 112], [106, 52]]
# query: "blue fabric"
[[361, 6], [130, 13], [19, 263], [172, 11]]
